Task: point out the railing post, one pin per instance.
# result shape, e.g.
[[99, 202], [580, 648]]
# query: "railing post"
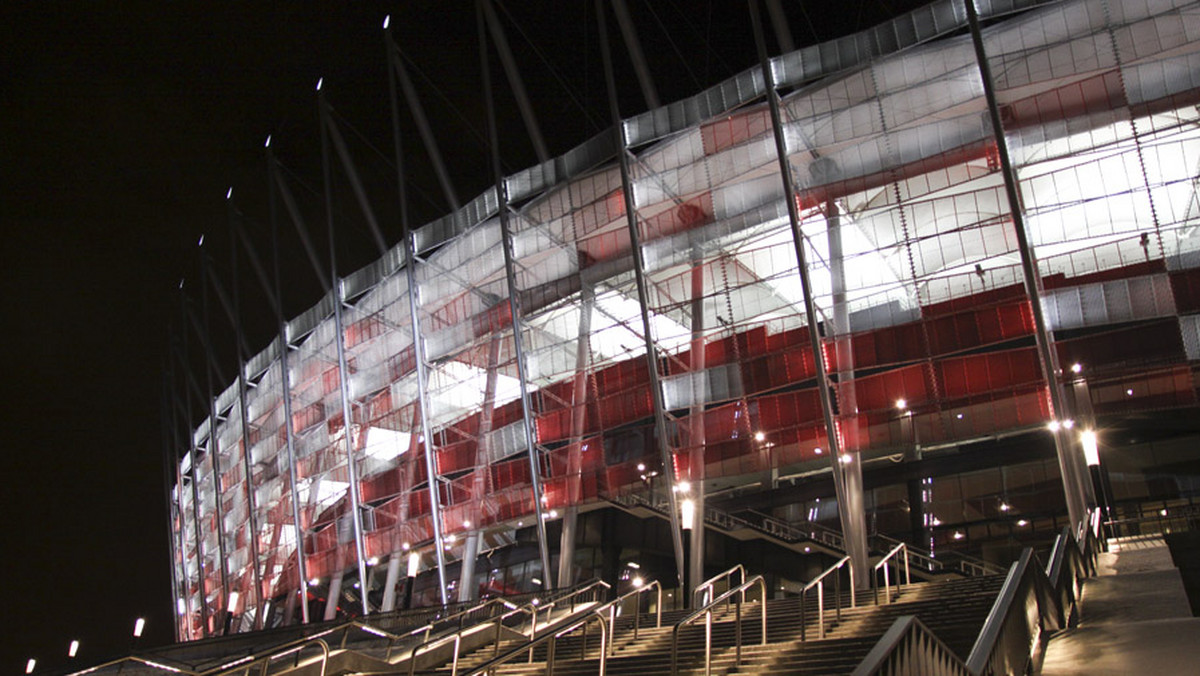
[[837, 593], [821, 609], [737, 632], [708, 643], [803, 619]]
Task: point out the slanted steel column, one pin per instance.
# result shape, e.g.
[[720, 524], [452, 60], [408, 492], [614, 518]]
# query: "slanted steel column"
[[178, 539], [660, 424], [850, 461], [514, 299], [849, 494], [629, 32], [398, 72], [410, 258], [214, 445], [285, 379], [244, 412], [343, 369], [192, 462], [570, 522], [1069, 465], [697, 441]]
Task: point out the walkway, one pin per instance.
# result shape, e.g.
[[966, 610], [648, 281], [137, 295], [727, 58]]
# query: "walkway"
[[1134, 618]]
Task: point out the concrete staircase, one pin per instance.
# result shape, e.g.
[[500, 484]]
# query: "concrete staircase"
[[954, 609]]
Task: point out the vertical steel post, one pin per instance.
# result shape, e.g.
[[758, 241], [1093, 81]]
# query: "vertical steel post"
[[514, 303], [1068, 466], [343, 369], [853, 521], [410, 258], [285, 383], [660, 425]]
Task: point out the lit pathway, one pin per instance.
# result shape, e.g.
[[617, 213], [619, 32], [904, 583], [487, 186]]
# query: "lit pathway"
[[1134, 618]]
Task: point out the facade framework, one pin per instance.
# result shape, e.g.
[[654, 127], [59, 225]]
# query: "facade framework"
[[630, 317]]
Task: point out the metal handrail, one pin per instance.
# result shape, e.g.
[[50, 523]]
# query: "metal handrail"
[[739, 593], [908, 646], [597, 615], [902, 547], [637, 616], [710, 582], [532, 609], [456, 637], [819, 583]]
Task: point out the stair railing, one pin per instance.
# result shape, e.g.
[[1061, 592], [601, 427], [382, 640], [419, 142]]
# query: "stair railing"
[[909, 647], [595, 615], [1033, 603], [532, 609], [637, 616], [738, 595], [819, 583], [891, 557], [708, 584]]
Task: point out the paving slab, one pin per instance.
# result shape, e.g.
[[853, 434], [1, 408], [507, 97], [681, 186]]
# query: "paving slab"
[[1158, 647], [1134, 617]]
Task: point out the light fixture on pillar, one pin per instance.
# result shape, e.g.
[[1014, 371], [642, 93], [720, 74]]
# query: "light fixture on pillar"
[[1076, 368], [1054, 425], [414, 564], [233, 601], [687, 513], [1091, 450], [901, 405]]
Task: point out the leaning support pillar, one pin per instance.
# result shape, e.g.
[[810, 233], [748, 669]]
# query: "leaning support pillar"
[[849, 508], [1069, 466], [696, 443], [343, 372], [570, 522], [514, 298], [466, 582], [660, 423], [410, 259]]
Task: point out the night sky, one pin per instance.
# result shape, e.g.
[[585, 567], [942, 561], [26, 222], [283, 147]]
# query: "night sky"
[[122, 125]]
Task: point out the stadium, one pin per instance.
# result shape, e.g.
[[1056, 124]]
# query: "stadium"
[[935, 282]]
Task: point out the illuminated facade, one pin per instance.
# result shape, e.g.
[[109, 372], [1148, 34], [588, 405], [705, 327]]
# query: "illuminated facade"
[[536, 307]]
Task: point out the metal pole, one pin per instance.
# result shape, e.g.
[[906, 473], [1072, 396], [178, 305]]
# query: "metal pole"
[[244, 411], [570, 522], [175, 501], [514, 307], [1049, 360], [410, 258], [193, 461], [285, 380], [214, 445], [660, 426], [343, 369], [853, 524]]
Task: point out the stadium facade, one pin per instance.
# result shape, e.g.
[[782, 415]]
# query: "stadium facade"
[[630, 323]]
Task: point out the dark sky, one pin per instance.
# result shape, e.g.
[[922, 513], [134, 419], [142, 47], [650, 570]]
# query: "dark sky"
[[122, 124]]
